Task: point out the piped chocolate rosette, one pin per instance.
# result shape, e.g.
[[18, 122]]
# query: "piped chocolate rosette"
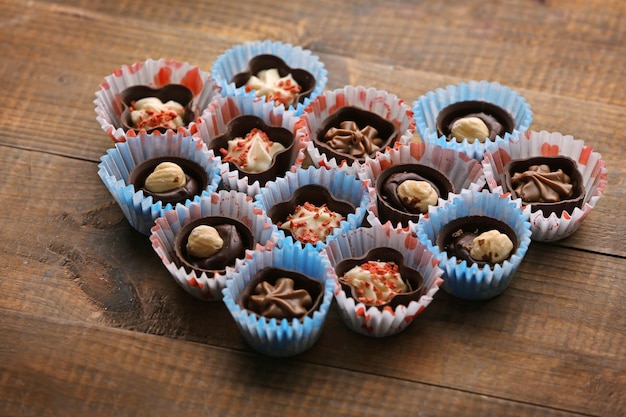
[[350, 134], [551, 184]]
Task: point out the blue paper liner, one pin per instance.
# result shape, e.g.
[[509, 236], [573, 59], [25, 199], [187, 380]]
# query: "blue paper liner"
[[341, 185], [590, 164], [115, 167], [427, 107], [384, 104], [235, 60], [151, 73], [220, 112], [223, 203], [473, 282], [463, 171], [281, 338], [370, 321]]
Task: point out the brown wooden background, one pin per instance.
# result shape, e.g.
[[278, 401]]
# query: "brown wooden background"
[[92, 324]]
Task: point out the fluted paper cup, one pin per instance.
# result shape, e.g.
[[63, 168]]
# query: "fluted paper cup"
[[214, 122], [236, 59], [462, 171], [372, 321], [272, 337], [381, 103], [474, 282], [115, 168], [427, 107], [231, 204], [154, 74], [549, 226]]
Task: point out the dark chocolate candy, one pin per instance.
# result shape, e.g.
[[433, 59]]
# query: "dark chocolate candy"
[[498, 120], [196, 176], [456, 237]]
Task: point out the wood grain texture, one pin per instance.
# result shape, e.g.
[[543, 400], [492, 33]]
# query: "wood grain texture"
[[91, 323], [131, 374]]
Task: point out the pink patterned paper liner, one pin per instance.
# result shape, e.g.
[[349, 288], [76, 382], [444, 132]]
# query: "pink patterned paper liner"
[[370, 321], [154, 74], [214, 120], [590, 164], [463, 171], [225, 203], [380, 102]]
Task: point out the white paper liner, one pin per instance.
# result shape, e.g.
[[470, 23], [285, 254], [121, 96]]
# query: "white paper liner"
[[427, 107], [235, 60], [371, 321], [473, 282], [386, 105], [231, 204], [341, 185], [214, 121], [115, 167], [281, 338], [154, 74], [463, 171], [590, 164]]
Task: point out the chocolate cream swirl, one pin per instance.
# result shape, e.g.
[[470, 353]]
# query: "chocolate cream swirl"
[[351, 140], [539, 184], [281, 300]]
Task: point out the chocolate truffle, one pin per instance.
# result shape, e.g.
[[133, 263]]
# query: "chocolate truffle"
[[463, 237], [161, 178], [393, 184], [474, 120], [277, 293], [211, 243], [150, 109], [352, 133], [272, 78], [380, 278], [275, 147], [321, 212], [551, 184]]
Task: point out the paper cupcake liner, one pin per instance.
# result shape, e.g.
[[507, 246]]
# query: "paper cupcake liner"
[[386, 105], [371, 321], [285, 337], [473, 282], [214, 121], [590, 164], [427, 107], [463, 171], [154, 74], [235, 60], [224, 203], [115, 167], [341, 185]]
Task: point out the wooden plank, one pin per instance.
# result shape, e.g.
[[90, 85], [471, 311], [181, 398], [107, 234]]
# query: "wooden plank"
[[50, 367]]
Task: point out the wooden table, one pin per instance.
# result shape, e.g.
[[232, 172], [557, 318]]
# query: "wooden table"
[[92, 324]]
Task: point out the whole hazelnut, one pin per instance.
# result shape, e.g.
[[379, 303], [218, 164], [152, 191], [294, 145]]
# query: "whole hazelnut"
[[470, 128], [204, 241], [491, 246], [417, 195], [166, 176]]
